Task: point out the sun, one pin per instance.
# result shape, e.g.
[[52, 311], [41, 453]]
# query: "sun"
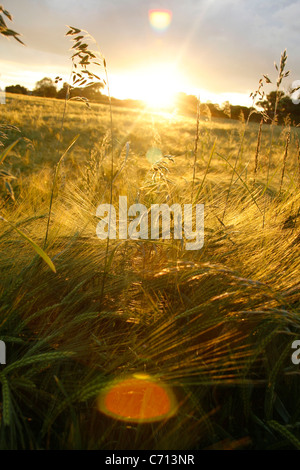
[[159, 84], [159, 87], [156, 85]]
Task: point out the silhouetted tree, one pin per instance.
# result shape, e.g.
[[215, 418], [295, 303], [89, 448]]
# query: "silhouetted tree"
[[62, 93], [91, 92], [186, 104], [236, 111], [215, 110], [21, 90], [269, 103], [285, 107], [289, 108], [226, 108], [46, 88]]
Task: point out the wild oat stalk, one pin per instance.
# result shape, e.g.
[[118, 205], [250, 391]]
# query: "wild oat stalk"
[[4, 30], [83, 76], [281, 75], [83, 59]]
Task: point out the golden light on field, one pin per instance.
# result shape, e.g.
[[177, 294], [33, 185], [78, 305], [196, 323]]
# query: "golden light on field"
[[160, 19], [138, 398]]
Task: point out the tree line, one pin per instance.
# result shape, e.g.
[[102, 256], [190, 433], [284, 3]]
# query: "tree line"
[[286, 111], [47, 89], [185, 104]]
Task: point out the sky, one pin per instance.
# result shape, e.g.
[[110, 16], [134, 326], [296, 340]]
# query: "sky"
[[217, 49]]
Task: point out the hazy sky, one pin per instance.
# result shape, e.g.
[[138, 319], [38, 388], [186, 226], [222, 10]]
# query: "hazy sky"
[[214, 46]]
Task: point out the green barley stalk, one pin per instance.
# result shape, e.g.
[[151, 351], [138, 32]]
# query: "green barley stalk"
[[6, 401], [270, 392], [36, 248], [284, 432]]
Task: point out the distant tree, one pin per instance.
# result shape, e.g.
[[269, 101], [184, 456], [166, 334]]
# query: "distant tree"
[[269, 103], [291, 109], [46, 88], [21, 90], [236, 111], [226, 108], [186, 104], [91, 92], [285, 107], [215, 110], [62, 93]]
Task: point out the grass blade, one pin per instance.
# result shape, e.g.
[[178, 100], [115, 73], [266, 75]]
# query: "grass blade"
[[36, 248]]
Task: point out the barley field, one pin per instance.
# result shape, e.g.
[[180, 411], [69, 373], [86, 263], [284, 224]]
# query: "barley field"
[[215, 325]]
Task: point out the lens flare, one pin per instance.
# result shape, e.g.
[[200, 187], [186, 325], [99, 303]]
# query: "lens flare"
[[138, 398], [160, 20], [153, 155]]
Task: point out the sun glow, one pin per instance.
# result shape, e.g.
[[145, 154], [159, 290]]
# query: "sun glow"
[[156, 85], [159, 88]]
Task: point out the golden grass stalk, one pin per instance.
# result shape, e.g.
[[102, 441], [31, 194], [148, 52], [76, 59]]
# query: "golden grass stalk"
[[257, 149], [285, 157], [298, 159], [196, 146]]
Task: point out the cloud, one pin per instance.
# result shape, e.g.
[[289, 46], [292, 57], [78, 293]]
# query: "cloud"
[[222, 45]]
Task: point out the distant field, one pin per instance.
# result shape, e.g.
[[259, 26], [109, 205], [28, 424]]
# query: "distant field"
[[215, 324]]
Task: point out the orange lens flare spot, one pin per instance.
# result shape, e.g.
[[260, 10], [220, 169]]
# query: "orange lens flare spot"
[[137, 399], [160, 19]]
